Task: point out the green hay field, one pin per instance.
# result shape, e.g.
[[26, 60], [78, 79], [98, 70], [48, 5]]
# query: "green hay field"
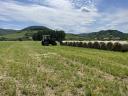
[[29, 69]]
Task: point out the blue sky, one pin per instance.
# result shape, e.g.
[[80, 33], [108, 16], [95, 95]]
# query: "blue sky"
[[74, 16]]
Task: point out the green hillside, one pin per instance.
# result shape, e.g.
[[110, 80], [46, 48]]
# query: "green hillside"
[[26, 34], [7, 31], [100, 35], [105, 35], [70, 36], [29, 69], [15, 35]]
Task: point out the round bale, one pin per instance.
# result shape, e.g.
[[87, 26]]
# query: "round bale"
[[103, 46], [96, 45], [90, 45], [117, 46], [109, 46]]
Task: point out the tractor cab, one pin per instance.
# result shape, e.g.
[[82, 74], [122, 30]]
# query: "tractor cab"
[[47, 40]]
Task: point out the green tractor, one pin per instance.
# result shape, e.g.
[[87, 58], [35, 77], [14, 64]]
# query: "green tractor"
[[48, 40]]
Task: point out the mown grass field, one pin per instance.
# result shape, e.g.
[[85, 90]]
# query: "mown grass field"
[[14, 35], [29, 69]]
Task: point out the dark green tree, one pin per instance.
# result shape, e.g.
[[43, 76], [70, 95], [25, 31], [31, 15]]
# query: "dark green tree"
[[56, 35]]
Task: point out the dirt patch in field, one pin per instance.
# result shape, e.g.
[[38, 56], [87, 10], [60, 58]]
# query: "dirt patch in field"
[[49, 92]]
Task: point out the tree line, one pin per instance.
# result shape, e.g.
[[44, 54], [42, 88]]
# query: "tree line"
[[57, 35]]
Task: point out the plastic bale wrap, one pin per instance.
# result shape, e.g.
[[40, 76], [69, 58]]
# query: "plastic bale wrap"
[[96, 45], [103, 46], [124, 48], [80, 44], [85, 45], [73, 44], [117, 46], [64, 43], [109, 46], [90, 45]]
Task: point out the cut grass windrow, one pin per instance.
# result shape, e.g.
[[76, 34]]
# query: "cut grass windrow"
[[29, 69]]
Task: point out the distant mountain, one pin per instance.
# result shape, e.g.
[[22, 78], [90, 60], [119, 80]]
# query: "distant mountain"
[[101, 35], [105, 35], [7, 31], [35, 28], [26, 33]]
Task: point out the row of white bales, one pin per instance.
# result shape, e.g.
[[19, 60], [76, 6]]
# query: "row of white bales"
[[104, 45]]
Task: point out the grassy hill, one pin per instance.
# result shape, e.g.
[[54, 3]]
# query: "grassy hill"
[[100, 35], [7, 31], [24, 34], [20, 34], [70, 36], [29, 69], [15, 35], [105, 34], [27, 33]]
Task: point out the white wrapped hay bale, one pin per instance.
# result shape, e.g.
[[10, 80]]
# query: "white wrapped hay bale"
[[104, 45], [124, 47]]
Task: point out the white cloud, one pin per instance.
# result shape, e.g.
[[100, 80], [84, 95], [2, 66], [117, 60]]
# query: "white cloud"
[[69, 15], [58, 14], [60, 4], [118, 20]]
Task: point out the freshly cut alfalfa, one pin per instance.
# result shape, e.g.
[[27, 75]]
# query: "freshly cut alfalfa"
[[103, 46], [96, 45], [117, 46], [109, 46], [90, 45]]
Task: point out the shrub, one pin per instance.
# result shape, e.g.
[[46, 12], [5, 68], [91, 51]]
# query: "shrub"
[[103, 46], [90, 45], [58, 35], [117, 46], [96, 45], [109, 46]]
